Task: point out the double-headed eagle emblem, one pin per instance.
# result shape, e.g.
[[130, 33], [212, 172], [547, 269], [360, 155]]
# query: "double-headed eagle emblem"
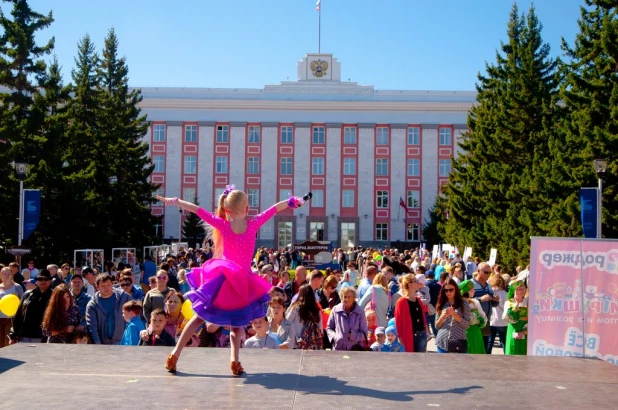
[[319, 68]]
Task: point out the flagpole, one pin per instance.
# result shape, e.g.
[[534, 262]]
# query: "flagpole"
[[320, 29]]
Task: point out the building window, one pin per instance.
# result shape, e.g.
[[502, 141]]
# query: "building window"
[[414, 199], [347, 198], [222, 134], [348, 235], [253, 165], [316, 231], [158, 192], [317, 166], [287, 134], [349, 166], [284, 194], [414, 167], [188, 194], [286, 166], [254, 135], [381, 199], [382, 136], [254, 197], [158, 229], [414, 233], [382, 167], [318, 198], [445, 136], [413, 136], [190, 164], [381, 232], [221, 165], [190, 133], [284, 234], [159, 163], [159, 133], [349, 135], [318, 135], [445, 167]]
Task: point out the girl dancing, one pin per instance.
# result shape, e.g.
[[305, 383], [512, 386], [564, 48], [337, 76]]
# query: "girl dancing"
[[225, 291]]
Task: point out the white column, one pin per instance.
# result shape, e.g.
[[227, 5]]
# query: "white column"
[[268, 178], [173, 167], [366, 173], [333, 181], [302, 164], [237, 156], [398, 183], [430, 169], [205, 165]]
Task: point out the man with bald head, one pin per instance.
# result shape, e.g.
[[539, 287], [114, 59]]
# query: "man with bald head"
[[370, 273], [485, 295], [291, 288]]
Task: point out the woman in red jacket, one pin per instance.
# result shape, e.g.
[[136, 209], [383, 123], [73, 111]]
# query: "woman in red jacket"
[[410, 316]]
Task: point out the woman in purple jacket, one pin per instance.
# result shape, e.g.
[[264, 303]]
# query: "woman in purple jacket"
[[347, 325]]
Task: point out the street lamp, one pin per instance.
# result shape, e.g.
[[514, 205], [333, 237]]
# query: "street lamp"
[[600, 166], [21, 170]]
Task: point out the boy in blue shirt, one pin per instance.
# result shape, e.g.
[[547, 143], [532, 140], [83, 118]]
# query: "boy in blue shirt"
[[132, 314]]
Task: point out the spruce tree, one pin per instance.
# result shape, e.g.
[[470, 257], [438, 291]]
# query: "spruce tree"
[[22, 71], [491, 196], [193, 230], [431, 227], [589, 129], [122, 126]]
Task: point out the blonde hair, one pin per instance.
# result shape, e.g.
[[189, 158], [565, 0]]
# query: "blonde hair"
[[405, 282], [228, 204], [380, 280]]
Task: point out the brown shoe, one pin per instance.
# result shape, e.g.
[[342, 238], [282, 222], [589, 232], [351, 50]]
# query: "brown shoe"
[[170, 363], [237, 369]]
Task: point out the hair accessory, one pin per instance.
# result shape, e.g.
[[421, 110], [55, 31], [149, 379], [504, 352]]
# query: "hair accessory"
[[513, 287], [228, 189], [295, 202]]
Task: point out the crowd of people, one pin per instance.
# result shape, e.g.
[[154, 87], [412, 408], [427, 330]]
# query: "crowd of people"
[[378, 300]]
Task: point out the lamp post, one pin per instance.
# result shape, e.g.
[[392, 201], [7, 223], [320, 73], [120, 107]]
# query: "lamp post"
[[21, 170], [600, 166]]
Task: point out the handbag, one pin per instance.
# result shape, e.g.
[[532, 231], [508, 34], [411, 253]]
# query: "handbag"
[[456, 345], [362, 347]]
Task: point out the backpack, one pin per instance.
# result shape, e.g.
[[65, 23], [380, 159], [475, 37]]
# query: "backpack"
[[311, 337]]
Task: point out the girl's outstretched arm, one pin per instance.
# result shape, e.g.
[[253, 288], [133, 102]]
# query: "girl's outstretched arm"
[[187, 206]]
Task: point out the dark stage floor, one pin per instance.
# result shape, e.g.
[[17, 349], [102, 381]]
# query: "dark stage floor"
[[116, 377]]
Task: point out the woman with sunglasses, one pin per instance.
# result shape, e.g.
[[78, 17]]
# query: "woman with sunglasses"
[[453, 320], [410, 316]]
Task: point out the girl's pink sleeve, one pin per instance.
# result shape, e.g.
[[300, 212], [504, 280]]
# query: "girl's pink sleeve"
[[211, 219], [261, 219]]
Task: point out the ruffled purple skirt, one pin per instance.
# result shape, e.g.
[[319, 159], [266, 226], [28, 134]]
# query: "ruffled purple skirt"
[[225, 294]]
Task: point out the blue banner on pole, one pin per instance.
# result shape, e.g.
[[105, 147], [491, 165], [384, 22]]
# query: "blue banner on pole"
[[32, 211], [588, 198]]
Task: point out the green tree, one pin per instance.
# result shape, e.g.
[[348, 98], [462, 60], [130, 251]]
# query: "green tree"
[[22, 72], [589, 129], [124, 204], [193, 230], [493, 197], [437, 217]]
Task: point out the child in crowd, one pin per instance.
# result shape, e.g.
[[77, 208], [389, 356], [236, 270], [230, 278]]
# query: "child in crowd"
[[392, 340], [132, 314], [261, 340], [378, 345], [80, 337], [152, 282], [158, 336]]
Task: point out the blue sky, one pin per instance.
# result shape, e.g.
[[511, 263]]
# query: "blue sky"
[[390, 44]]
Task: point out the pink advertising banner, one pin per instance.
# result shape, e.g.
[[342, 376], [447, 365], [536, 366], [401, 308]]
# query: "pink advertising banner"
[[573, 298]]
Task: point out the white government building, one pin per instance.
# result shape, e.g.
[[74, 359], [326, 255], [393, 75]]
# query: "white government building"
[[358, 149]]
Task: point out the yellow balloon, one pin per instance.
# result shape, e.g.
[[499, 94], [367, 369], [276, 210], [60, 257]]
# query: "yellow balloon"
[[375, 255], [187, 310], [9, 305]]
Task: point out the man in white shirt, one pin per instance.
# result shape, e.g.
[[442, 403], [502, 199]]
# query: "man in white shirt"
[[89, 278]]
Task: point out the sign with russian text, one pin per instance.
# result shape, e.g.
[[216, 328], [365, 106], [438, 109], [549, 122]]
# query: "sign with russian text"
[[312, 247], [573, 298]]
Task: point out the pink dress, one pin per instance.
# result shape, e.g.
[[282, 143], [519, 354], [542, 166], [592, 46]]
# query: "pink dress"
[[225, 291]]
